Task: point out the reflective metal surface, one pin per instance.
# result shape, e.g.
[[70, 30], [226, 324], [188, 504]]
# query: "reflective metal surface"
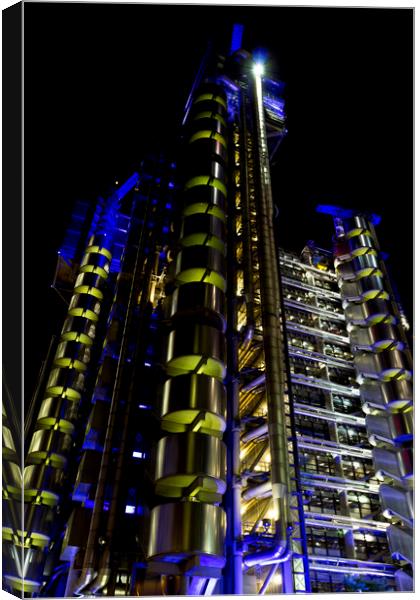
[[394, 463], [389, 364], [196, 349], [392, 395], [184, 529], [190, 396], [198, 300], [398, 501], [181, 459]]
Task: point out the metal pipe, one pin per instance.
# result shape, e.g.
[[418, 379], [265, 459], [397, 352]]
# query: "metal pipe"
[[258, 491], [273, 351], [255, 433], [247, 254], [268, 579], [279, 553]]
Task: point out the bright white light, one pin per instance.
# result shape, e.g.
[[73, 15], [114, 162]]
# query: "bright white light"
[[139, 454], [277, 579], [130, 510], [258, 69]]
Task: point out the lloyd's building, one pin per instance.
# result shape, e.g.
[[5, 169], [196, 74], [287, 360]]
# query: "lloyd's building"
[[216, 415]]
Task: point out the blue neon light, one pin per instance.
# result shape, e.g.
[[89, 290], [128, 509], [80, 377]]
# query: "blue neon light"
[[345, 213], [237, 33]]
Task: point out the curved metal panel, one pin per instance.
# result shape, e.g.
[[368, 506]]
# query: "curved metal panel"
[[198, 300], [79, 325], [370, 312], [366, 288], [184, 529], [392, 395], [66, 378], [203, 222], [389, 428], [397, 502], [376, 338], [397, 464], [187, 396], [201, 263], [401, 543], [387, 365], [190, 459], [196, 349]]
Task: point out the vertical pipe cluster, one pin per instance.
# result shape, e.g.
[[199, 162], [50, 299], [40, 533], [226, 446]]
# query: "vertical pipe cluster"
[[52, 440], [191, 458], [273, 348], [382, 362]]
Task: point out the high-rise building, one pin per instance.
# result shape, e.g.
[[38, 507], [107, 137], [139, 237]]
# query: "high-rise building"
[[215, 415]]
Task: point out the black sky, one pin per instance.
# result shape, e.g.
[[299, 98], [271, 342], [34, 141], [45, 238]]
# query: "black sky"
[[105, 83]]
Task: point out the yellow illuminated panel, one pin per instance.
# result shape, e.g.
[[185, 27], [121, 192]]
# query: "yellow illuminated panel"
[[201, 274], [96, 270], [75, 336], [86, 289], [214, 97], [99, 250], [70, 363], [207, 180], [83, 312], [63, 392], [192, 364], [206, 134], [207, 114], [202, 207], [204, 239]]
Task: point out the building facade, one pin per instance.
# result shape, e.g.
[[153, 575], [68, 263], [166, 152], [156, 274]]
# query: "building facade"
[[215, 416]]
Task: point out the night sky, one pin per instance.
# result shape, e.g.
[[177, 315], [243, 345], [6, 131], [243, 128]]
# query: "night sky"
[[104, 84]]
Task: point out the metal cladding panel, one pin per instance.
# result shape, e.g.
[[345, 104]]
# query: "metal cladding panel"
[[366, 288], [66, 378], [79, 325], [95, 259], [208, 195], [397, 464], [200, 257], [401, 543], [203, 223], [50, 441], [181, 530], [40, 477], [195, 299], [360, 242], [197, 340], [211, 145], [74, 351], [369, 312], [90, 280], [388, 364], [183, 458], [398, 502], [57, 408], [86, 302], [391, 428], [377, 337], [207, 124], [356, 225], [204, 164], [186, 396], [391, 395]]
